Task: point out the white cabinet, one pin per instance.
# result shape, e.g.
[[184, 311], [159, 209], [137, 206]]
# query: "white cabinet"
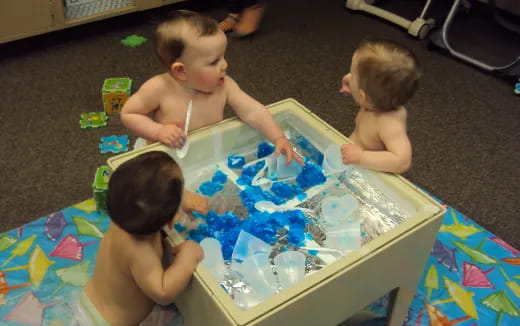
[[24, 18]]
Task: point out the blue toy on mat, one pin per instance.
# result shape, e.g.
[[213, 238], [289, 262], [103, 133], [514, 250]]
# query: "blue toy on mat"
[[517, 87], [114, 144]]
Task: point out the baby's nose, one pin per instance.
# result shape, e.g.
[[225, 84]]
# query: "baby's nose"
[[224, 65]]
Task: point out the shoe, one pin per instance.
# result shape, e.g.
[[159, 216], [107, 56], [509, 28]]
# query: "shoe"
[[249, 20], [228, 23]]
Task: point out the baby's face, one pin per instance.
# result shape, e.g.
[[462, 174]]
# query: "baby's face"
[[204, 61]]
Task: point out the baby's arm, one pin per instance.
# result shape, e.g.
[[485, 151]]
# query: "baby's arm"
[[135, 115], [398, 155], [258, 116], [163, 286]]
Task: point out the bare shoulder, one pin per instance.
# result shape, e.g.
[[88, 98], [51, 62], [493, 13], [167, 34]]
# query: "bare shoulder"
[[156, 84], [230, 81], [397, 117], [146, 246], [230, 84]]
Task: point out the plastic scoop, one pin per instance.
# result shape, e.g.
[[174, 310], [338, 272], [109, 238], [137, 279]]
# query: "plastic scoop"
[[183, 151], [332, 161], [256, 271], [338, 209], [248, 245], [287, 171], [213, 259], [290, 266], [248, 300], [345, 240]]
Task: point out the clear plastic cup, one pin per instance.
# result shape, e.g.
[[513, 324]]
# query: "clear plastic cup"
[[248, 245], [256, 271], [213, 259], [290, 266], [344, 239], [287, 171], [337, 210], [247, 300], [332, 161]]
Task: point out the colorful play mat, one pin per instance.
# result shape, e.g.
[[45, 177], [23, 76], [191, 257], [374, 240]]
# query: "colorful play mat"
[[471, 278]]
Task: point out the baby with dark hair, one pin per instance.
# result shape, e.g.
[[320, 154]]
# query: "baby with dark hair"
[[144, 194], [383, 77]]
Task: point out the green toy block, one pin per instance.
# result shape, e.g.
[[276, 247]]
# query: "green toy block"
[[115, 92], [100, 188]]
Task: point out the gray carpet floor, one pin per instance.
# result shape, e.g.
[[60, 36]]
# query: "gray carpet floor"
[[464, 124]]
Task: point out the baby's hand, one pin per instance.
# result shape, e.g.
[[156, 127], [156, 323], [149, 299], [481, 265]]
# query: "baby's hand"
[[171, 135], [345, 85], [195, 202], [351, 153], [188, 250], [283, 146]]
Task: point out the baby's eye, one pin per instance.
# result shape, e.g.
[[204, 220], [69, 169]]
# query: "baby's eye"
[[215, 62]]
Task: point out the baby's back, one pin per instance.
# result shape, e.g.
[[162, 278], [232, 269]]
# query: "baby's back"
[[112, 288]]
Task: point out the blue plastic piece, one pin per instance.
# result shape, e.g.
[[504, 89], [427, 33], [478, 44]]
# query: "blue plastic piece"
[[261, 226], [219, 177], [296, 236], [245, 180], [281, 219], [179, 227], [249, 173], [236, 161], [265, 149], [285, 190], [198, 215], [296, 218], [209, 188], [199, 233], [310, 176]]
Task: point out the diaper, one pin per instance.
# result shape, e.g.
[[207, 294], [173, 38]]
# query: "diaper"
[[86, 313], [163, 316]]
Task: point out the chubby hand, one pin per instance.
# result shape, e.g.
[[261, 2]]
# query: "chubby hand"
[[194, 202], [188, 249], [283, 146], [351, 153], [345, 85], [171, 135]]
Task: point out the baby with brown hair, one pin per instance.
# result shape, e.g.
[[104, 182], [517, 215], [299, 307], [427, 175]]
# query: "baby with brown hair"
[[192, 49], [129, 279], [383, 77]]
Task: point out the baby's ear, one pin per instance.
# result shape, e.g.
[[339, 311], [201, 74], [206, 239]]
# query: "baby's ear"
[[364, 100], [178, 71]]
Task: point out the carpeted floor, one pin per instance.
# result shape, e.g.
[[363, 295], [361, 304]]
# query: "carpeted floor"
[[464, 124]]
